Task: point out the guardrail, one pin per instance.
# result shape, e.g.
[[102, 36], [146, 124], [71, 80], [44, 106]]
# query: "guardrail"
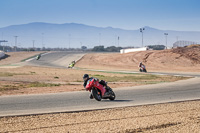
[[2, 54]]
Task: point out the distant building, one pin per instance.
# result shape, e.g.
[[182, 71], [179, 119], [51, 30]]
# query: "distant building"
[[183, 43]]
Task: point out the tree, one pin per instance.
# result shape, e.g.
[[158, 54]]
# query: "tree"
[[113, 49], [98, 48], [157, 47], [84, 48]]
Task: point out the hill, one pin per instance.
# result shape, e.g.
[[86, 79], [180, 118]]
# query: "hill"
[[75, 35]]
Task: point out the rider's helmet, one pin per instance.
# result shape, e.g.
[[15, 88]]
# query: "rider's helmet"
[[140, 64], [85, 77]]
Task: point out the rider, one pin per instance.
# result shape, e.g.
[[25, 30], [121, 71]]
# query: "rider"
[[86, 78], [38, 56], [141, 66], [72, 64]]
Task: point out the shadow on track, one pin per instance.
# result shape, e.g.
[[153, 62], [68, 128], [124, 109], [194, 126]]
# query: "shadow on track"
[[117, 101]]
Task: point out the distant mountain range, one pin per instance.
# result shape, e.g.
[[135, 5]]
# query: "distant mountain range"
[[75, 35]]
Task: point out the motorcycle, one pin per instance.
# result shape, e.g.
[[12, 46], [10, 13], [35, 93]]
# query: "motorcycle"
[[38, 57], [71, 65], [143, 69], [94, 87]]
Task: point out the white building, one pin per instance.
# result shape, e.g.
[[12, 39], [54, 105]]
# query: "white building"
[[122, 51]]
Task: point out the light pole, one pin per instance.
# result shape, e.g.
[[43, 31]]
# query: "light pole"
[[42, 40], [166, 34], [118, 41], [177, 38], [81, 44], [33, 44], [15, 43], [142, 30], [69, 40], [99, 38]]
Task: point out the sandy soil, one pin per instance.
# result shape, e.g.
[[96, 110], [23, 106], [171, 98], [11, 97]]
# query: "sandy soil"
[[173, 60], [15, 57], [183, 117]]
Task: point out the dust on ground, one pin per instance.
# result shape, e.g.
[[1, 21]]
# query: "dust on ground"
[[185, 59], [182, 117]]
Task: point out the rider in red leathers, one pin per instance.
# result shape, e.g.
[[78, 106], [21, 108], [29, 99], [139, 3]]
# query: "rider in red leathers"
[[86, 79]]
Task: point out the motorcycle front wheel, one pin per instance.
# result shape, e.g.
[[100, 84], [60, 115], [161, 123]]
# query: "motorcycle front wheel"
[[96, 94]]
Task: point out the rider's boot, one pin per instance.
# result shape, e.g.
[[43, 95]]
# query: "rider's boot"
[[91, 96]]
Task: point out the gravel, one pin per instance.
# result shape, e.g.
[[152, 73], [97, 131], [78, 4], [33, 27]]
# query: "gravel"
[[181, 117]]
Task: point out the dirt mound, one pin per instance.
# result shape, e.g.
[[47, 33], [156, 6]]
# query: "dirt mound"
[[185, 59], [191, 53]]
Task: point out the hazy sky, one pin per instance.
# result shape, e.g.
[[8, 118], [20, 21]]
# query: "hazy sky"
[[183, 15]]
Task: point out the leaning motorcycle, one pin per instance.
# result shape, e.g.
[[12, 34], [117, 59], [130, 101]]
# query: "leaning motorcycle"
[[94, 87], [38, 57], [143, 69]]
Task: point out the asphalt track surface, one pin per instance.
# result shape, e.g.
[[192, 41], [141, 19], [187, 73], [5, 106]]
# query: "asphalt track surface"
[[55, 59], [79, 101]]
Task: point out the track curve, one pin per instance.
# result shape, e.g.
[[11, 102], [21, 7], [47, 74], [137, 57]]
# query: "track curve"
[[79, 101]]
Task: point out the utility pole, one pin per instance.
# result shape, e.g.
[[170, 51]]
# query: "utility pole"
[[142, 30], [166, 34], [15, 43]]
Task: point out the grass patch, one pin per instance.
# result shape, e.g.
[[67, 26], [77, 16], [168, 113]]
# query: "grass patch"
[[142, 78], [32, 72], [8, 87], [17, 86], [38, 84], [6, 74]]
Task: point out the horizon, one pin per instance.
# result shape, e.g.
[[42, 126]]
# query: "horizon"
[[146, 26], [179, 15]]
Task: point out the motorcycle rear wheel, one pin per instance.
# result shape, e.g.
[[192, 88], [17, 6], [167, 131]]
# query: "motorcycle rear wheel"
[[112, 97]]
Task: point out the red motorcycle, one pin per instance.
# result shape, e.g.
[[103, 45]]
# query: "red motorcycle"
[[95, 87]]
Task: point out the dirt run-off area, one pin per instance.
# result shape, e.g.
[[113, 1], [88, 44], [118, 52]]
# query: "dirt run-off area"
[[35, 80], [182, 117], [185, 59]]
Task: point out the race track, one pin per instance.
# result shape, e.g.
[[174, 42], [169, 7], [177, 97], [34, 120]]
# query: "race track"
[[55, 59], [78, 101]]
